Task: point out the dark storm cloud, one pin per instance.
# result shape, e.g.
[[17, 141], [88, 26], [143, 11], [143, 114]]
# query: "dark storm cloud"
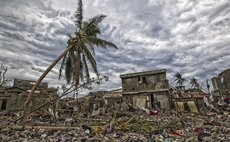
[[191, 37], [32, 34]]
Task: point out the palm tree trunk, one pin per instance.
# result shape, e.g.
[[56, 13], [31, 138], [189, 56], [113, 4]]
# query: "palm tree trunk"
[[29, 98]]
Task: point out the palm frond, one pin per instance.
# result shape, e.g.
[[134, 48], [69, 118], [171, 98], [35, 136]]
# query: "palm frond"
[[91, 59], [68, 74], [73, 65], [97, 19], [77, 69], [86, 68], [91, 30], [89, 45], [101, 43], [177, 75], [91, 48], [194, 83], [81, 73], [93, 22], [62, 66], [69, 35], [179, 79]]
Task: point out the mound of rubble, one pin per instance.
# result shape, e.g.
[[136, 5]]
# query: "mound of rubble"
[[123, 127]]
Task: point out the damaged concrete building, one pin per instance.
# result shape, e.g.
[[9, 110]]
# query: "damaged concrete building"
[[188, 101], [149, 89], [113, 98], [100, 101], [13, 98], [93, 101], [221, 84]]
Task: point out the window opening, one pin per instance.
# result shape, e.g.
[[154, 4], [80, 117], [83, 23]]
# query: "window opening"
[[145, 80]]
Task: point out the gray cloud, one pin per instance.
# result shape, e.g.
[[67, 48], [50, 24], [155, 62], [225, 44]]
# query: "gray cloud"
[[191, 37]]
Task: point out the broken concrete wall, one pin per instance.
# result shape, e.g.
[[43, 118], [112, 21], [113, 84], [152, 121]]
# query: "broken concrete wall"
[[144, 100], [144, 82], [92, 103], [221, 83], [189, 104], [139, 101], [186, 106], [14, 97], [163, 99], [16, 102], [113, 98], [28, 84], [110, 102]]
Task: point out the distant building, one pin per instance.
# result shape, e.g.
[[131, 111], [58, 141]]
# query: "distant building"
[[221, 84], [149, 89], [13, 98], [28, 84]]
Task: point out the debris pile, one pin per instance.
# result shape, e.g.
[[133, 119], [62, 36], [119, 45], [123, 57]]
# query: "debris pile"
[[133, 126]]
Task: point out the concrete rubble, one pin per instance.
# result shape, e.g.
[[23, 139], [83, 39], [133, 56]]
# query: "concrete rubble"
[[132, 126], [146, 109]]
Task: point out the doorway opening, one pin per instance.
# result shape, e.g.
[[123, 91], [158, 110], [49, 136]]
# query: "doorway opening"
[[3, 104]]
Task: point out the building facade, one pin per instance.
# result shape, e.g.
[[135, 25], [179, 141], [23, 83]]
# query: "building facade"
[[28, 84], [147, 89], [221, 84], [188, 101], [13, 98]]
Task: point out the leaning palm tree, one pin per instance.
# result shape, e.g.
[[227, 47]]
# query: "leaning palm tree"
[[78, 54], [76, 61], [179, 79], [194, 83]]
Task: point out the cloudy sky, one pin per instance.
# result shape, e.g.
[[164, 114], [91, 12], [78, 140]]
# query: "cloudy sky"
[[188, 36]]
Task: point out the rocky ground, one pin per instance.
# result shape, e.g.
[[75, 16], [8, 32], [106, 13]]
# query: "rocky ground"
[[212, 126]]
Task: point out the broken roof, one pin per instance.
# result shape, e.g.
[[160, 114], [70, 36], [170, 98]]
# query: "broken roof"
[[143, 73], [112, 95], [15, 87], [145, 91], [196, 95]]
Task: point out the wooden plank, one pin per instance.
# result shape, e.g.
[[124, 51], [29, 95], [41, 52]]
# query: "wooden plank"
[[18, 127]]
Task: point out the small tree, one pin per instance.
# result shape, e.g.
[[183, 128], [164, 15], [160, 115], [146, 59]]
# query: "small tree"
[[194, 83], [179, 79]]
